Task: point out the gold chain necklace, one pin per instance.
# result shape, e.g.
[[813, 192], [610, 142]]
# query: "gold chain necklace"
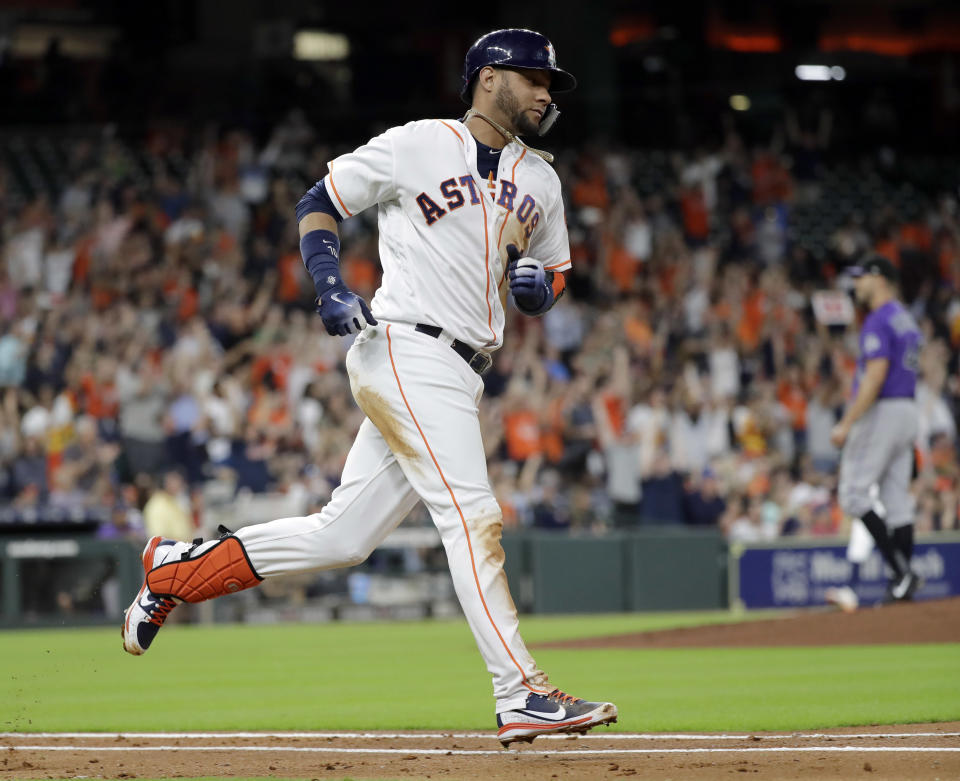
[[506, 134]]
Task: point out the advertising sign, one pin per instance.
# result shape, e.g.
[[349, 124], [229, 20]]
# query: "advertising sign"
[[797, 574]]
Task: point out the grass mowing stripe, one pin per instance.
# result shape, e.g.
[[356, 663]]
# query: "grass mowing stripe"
[[430, 676]]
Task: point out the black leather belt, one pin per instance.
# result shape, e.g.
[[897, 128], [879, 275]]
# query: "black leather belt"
[[479, 362]]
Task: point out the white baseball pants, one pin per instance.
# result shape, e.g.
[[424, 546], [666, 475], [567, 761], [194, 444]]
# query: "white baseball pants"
[[421, 440]]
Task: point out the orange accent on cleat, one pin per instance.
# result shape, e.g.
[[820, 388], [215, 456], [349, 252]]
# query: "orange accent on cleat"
[[552, 726], [223, 569], [562, 697]]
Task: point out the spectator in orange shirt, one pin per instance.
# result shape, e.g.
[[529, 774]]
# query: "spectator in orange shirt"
[[621, 266], [590, 185], [751, 322], [522, 434], [771, 180], [696, 220], [290, 278], [792, 393]]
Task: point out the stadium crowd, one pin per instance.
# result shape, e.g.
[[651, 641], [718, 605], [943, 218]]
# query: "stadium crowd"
[[158, 347]]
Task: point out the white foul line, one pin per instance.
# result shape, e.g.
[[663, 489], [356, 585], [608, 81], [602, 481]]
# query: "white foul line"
[[481, 752], [435, 735]]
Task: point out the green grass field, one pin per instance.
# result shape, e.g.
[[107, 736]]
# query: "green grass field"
[[430, 676]]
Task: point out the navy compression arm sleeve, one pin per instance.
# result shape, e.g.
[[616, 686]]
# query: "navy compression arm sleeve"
[[320, 250], [317, 200]]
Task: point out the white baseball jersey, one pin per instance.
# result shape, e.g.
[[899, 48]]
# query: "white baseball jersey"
[[444, 230]]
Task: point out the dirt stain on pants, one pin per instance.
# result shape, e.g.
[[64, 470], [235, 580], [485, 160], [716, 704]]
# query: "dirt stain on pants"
[[486, 533], [378, 409]]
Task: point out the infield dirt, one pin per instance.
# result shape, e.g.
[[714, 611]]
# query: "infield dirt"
[[936, 621], [889, 753]]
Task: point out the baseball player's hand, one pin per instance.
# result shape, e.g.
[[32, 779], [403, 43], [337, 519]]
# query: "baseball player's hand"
[[839, 433], [528, 280], [343, 311]]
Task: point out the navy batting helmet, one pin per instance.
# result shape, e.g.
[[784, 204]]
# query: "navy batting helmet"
[[517, 49]]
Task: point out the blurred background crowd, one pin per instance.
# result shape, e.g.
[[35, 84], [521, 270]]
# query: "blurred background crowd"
[[160, 361], [159, 349]]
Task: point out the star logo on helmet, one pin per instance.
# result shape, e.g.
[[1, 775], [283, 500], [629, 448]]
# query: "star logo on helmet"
[[551, 55]]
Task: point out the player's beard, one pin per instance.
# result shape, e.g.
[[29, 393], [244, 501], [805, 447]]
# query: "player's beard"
[[507, 103]]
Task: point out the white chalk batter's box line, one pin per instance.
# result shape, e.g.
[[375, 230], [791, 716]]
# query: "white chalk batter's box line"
[[439, 735], [502, 752]]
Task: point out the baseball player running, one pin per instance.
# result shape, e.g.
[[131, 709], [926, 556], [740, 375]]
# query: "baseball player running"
[[878, 430], [466, 211]]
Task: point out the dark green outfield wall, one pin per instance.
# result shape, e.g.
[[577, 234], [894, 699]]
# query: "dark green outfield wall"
[[663, 569]]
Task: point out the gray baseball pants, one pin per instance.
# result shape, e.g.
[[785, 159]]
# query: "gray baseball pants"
[[879, 451]]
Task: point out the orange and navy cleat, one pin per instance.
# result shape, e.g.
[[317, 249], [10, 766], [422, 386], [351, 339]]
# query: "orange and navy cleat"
[[148, 611], [176, 572], [543, 714]]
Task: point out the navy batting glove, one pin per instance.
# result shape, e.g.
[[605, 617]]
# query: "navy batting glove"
[[529, 283], [343, 311]]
